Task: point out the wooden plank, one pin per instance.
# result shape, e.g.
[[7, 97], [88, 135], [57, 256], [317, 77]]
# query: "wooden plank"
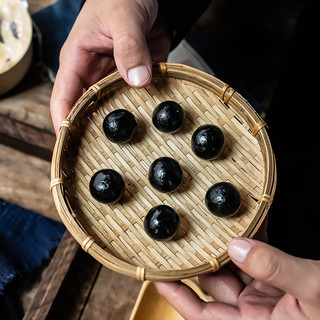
[[76, 288], [112, 297], [27, 148], [30, 106], [25, 121], [25, 133], [25, 181], [53, 279]]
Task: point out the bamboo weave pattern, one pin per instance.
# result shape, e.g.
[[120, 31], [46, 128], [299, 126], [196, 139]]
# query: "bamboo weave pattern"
[[118, 228]]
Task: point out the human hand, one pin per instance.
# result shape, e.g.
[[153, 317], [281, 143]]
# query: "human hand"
[[108, 35], [282, 287]]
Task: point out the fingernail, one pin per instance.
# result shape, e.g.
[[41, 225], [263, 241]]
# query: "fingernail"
[[239, 249], [139, 75]]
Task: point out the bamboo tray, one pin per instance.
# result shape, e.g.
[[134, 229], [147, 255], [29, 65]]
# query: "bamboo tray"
[[113, 234], [16, 50]]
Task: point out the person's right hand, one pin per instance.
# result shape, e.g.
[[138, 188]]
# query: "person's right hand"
[[126, 35], [280, 286]]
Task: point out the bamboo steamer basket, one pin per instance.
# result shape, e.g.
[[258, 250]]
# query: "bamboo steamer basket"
[[16, 52], [113, 233]]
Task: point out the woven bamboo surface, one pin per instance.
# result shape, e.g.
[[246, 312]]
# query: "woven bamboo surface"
[[114, 234]]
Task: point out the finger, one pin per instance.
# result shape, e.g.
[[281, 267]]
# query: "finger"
[[242, 276], [261, 294], [259, 288], [191, 307], [276, 268], [67, 88], [222, 285], [131, 53]]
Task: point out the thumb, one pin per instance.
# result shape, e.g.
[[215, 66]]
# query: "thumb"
[[128, 27], [293, 275]]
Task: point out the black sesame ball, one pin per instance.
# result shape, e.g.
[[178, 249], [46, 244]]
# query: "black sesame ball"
[[207, 142], [119, 126], [168, 117], [107, 186], [165, 174], [161, 223], [223, 199]]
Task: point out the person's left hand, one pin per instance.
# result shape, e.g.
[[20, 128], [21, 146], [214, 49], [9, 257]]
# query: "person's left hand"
[[281, 286], [109, 35]]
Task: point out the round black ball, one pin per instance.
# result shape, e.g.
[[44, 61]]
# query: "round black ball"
[[207, 142], [119, 126], [168, 117], [223, 199], [165, 174], [107, 186], [161, 223]]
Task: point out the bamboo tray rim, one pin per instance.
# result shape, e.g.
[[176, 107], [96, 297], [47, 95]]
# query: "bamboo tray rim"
[[228, 96]]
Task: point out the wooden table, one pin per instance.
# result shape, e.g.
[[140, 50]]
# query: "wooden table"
[[73, 285]]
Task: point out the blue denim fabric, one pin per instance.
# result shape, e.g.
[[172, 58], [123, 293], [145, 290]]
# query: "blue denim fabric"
[[55, 23], [26, 240]]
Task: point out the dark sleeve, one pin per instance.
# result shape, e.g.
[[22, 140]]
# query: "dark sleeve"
[[182, 15]]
